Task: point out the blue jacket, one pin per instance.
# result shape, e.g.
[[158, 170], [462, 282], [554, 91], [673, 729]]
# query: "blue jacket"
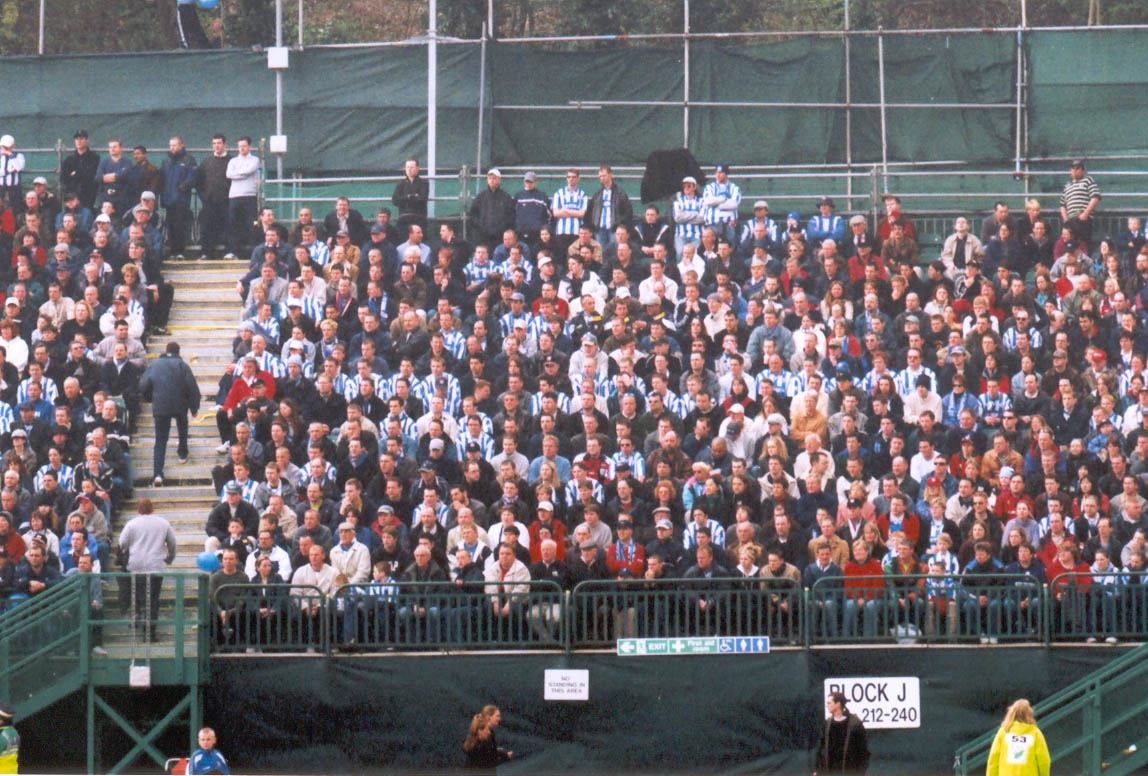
[[178, 179]]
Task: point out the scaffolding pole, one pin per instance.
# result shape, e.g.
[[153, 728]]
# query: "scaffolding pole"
[[884, 129]]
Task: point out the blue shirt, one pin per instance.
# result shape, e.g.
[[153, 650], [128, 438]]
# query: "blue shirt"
[[204, 761]]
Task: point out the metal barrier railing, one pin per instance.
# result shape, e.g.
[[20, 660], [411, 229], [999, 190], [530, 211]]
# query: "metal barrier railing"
[[1095, 607], [918, 607], [603, 611], [885, 609]]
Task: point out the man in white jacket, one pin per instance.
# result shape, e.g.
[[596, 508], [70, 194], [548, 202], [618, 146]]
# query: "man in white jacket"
[[242, 204]]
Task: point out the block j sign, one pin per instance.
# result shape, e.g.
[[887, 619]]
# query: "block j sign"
[[881, 701]]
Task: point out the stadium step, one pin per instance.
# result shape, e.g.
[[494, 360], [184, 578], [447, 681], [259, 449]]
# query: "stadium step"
[[203, 320]]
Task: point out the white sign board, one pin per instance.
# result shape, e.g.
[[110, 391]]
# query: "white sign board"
[[881, 701], [566, 684]]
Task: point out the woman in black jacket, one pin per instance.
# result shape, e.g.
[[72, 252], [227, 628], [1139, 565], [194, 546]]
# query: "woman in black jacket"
[[844, 746], [481, 748]]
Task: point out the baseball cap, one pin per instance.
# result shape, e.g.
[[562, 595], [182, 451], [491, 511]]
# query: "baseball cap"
[[378, 229], [103, 218], [145, 195], [518, 296], [7, 141], [588, 544], [625, 524], [43, 180], [843, 372], [530, 176], [1071, 246], [294, 359], [663, 523], [346, 526], [825, 201], [473, 447], [723, 167], [494, 171], [20, 433], [661, 509], [933, 481], [761, 203], [80, 133], [437, 444], [1078, 163], [385, 509], [426, 466], [234, 488], [589, 339], [775, 417], [690, 179], [548, 506]]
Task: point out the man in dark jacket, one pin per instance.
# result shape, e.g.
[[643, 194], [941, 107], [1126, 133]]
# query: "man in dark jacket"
[[844, 746], [174, 392], [178, 179], [78, 170], [493, 210], [609, 207], [214, 191], [345, 218]]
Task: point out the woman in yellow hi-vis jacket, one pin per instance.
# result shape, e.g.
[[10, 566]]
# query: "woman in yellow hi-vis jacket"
[[9, 741], [1019, 748]]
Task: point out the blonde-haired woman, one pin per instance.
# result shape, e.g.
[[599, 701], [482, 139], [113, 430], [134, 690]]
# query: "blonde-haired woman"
[[1019, 748]]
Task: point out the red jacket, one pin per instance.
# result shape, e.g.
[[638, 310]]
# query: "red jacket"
[[557, 532], [1006, 505], [864, 588], [1064, 585], [910, 526], [15, 547], [615, 563], [240, 390]]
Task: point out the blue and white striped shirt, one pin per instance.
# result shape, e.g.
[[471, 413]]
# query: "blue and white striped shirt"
[[717, 534], [781, 380], [1008, 341], [6, 417], [485, 443], [268, 328], [313, 307], [247, 490], [770, 230], [536, 403], [568, 199], [386, 386], [477, 273], [798, 383], [607, 209], [506, 269], [732, 192], [906, 380], [351, 386], [425, 390], [409, 425], [65, 474], [635, 460], [487, 423], [455, 342], [268, 362], [50, 392], [997, 406], [597, 492], [320, 253], [826, 227], [684, 205], [507, 321]]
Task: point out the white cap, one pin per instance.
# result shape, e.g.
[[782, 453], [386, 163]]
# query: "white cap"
[[494, 171], [7, 141], [103, 218], [39, 179], [622, 293]]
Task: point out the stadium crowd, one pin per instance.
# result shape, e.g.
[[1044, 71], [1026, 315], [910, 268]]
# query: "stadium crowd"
[[586, 392], [84, 288]]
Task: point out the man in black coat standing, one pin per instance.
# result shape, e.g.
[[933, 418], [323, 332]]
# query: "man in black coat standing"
[[493, 210], [172, 388]]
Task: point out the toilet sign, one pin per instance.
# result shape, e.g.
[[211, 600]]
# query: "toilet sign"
[[881, 701]]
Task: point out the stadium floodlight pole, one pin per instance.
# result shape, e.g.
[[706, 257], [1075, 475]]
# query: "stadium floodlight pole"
[[481, 98], [884, 129], [1019, 86], [279, 87], [686, 76], [848, 117], [432, 100]]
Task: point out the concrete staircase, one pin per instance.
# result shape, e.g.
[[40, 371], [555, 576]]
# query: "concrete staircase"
[[203, 321]]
